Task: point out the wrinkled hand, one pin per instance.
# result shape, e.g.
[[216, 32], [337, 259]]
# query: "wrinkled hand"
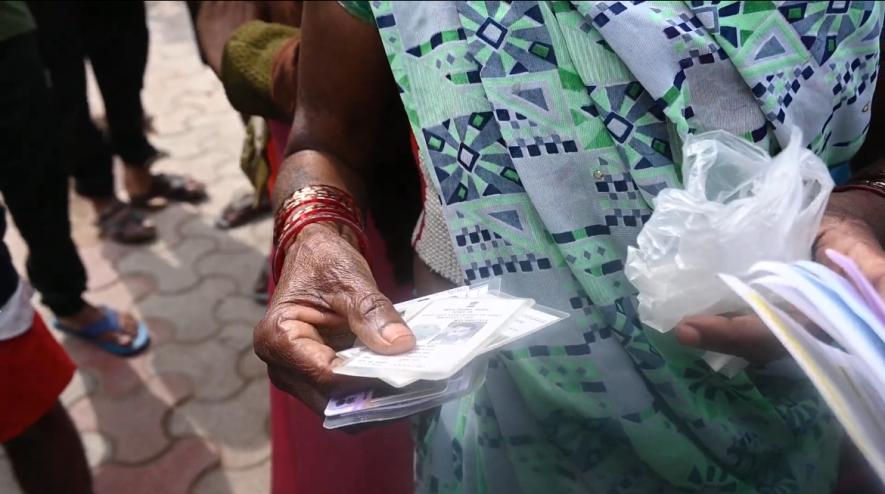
[[842, 229], [325, 297], [845, 230]]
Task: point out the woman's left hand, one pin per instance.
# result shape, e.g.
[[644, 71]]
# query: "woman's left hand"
[[850, 226]]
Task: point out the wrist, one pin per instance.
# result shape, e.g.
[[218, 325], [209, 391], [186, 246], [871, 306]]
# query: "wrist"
[[324, 229], [859, 206], [316, 210]]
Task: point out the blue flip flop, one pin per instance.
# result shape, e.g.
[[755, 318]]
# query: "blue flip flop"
[[111, 322]]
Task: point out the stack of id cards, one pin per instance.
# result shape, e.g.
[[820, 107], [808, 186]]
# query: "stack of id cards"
[[453, 330], [839, 343]]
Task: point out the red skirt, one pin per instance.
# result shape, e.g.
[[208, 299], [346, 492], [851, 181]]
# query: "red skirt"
[[34, 370]]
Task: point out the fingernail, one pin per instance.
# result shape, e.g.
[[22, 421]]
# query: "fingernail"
[[395, 331]]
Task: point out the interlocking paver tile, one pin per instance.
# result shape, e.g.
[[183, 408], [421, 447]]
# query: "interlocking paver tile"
[[205, 164], [182, 146], [191, 312], [175, 122], [257, 236], [242, 269], [210, 367], [162, 330], [112, 251], [173, 472], [133, 423], [115, 376], [239, 308], [250, 366], [218, 481], [82, 385], [170, 217], [251, 239], [100, 269], [139, 285], [236, 336], [171, 267], [124, 293], [238, 426]]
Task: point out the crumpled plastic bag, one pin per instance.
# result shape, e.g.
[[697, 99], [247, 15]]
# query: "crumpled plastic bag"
[[739, 206]]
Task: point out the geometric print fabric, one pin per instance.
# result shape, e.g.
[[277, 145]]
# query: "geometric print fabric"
[[548, 128]]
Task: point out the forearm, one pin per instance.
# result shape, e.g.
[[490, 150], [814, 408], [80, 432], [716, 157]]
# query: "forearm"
[[308, 166], [314, 167], [344, 88]]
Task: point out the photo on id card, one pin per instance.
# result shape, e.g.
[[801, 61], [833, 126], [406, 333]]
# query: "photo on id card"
[[448, 332]]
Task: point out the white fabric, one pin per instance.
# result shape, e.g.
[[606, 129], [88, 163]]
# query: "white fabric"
[[17, 314], [434, 245]]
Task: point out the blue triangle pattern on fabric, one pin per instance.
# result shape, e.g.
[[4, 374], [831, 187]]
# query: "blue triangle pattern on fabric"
[[518, 69], [771, 48], [510, 217], [534, 96], [534, 13]]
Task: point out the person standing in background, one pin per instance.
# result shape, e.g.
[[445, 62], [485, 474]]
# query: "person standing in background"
[[114, 37], [36, 433], [35, 189]]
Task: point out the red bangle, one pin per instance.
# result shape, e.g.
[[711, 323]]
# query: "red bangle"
[[294, 215], [309, 205], [313, 194], [290, 208]]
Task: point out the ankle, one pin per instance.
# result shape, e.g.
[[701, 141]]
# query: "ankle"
[[137, 180], [87, 315], [101, 204]]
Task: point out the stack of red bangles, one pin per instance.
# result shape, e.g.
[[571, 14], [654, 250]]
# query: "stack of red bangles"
[[309, 205]]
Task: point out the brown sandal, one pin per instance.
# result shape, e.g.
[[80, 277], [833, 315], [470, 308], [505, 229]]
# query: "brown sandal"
[[120, 223], [242, 210], [172, 187]]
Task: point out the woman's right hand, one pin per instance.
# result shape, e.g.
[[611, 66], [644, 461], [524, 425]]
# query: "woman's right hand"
[[326, 296]]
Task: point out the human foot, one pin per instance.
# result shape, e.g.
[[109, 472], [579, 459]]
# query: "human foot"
[[166, 187], [241, 210], [117, 332], [119, 222]]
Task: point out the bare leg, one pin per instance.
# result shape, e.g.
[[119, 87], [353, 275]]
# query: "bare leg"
[[138, 180], [48, 457]]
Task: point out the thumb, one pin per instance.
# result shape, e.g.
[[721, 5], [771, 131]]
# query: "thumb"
[[374, 321], [744, 335]]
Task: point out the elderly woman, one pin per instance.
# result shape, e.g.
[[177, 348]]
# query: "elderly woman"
[[545, 130]]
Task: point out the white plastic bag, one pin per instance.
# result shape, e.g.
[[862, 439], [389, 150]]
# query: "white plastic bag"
[[739, 206]]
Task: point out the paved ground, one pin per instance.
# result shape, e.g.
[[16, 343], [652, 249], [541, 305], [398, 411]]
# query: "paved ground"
[[191, 415]]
